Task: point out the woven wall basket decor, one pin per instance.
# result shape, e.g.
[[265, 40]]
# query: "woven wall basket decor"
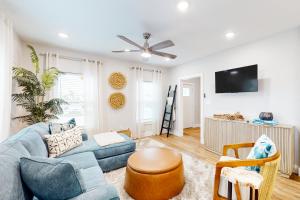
[[117, 100], [117, 80]]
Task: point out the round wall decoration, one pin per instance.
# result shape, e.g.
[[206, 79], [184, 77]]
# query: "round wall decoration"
[[117, 100], [117, 80]]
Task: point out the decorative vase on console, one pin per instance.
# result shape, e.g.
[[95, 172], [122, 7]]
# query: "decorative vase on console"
[[267, 116]]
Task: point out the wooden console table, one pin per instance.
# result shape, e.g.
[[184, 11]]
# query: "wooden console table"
[[218, 132]]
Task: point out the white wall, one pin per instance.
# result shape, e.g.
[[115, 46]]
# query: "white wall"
[[112, 119], [278, 59]]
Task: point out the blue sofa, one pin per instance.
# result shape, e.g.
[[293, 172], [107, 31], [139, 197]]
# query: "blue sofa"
[[92, 160]]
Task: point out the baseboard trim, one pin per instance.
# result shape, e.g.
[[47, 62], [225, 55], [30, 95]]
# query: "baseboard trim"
[[196, 125]]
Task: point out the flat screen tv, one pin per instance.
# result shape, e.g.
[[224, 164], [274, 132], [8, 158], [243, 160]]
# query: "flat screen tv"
[[243, 79]]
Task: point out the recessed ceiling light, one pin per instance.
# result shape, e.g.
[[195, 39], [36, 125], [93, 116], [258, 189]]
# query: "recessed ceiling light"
[[127, 50], [146, 54], [230, 35], [167, 59], [63, 35], [183, 6]]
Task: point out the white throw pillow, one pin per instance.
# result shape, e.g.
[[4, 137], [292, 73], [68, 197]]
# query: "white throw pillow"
[[61, 143]]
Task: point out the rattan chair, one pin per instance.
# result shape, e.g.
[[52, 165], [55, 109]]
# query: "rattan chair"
[[269, 168]]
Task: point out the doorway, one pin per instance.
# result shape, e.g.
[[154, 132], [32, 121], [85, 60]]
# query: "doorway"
[[190, 107]]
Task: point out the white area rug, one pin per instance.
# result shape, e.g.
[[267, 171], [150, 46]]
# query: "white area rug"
[[198, 176]]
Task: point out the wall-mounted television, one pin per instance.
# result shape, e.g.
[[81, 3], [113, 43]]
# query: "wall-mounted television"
[[243, 79]]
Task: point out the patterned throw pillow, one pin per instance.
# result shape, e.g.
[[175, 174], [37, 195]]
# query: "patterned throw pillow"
[[263, 148], [61, 143], [55, 128]]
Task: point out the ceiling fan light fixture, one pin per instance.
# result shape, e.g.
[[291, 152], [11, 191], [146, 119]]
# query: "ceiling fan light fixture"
[[167, 59], [126, 50], [146, 54]]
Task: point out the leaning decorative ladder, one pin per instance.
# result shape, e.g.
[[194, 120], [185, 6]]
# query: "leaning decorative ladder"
[[168, 113]]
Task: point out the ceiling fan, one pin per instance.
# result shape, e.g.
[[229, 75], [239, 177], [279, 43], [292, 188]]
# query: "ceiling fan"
[[147, 50]]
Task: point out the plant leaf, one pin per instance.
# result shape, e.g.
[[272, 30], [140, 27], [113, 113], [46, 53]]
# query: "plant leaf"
[[34, 59], [49, 77]]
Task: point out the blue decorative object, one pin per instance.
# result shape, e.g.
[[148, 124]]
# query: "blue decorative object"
[[266, 116], [51, 179], [265, 122], [263, 148]]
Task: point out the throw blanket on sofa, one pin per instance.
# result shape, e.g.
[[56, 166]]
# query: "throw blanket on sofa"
[[104, 139]]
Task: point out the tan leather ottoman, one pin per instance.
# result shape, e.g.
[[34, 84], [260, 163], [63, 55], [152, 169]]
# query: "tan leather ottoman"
[[154, 174]]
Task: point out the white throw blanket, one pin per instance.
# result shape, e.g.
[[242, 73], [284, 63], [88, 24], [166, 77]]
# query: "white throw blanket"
[[104, 139]]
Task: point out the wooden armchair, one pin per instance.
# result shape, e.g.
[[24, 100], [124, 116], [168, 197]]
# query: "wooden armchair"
[[269, 167]]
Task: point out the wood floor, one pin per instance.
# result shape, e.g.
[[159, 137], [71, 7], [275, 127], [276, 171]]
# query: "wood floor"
[[193, 132], [285, 189]]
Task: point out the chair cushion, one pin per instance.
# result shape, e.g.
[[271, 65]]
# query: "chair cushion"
[[51, 179], [241, 174], [263, 148]]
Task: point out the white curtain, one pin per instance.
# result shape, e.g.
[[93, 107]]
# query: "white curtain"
[[91, 75], [6, 63], [137, 101], [140, 78], [157, 101]]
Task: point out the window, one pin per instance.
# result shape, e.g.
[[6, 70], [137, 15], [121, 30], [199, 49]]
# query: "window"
[[148, 95], [70, 88], [186, 92]]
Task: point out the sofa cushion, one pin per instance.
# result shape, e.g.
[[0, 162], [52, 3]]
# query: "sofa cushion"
[[82, 160], [55, 128], [51, 179], [106, 192], [12, 186], [31, 139], [106, 151], [34, 144], [87, 146], [114, 162], [61, 143], [92, 177]]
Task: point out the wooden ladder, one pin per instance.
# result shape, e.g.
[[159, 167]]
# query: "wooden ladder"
[[168, 113]]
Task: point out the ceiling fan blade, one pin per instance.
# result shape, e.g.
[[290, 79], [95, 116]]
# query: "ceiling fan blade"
[[122, 51], [162, 45], [167, 55], [129, 41]]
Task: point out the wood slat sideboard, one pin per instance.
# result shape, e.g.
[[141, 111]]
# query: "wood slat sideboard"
[[218, 132]]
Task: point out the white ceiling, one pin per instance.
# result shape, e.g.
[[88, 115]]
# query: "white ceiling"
[[93, 24]]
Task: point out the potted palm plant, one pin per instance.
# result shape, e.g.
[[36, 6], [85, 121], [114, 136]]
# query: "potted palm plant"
[[33, 91]]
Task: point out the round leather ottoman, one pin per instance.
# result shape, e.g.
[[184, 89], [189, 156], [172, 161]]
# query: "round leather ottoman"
[[154, 174]]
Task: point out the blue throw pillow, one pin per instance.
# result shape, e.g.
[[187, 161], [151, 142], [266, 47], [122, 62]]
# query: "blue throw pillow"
[[55, 128], [263, 148], [51, 179]]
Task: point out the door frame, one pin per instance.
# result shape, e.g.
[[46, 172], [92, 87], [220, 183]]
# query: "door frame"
[[179, 122]]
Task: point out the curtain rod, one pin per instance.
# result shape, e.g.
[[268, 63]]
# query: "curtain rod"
[[148, 70], [73, 58]]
